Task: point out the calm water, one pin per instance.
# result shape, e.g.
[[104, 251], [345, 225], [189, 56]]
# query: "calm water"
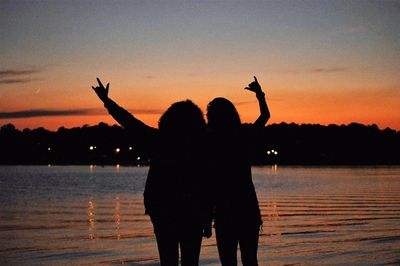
[[81, 215]]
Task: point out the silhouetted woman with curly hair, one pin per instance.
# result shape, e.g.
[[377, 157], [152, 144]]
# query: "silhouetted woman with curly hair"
[[174, 195]]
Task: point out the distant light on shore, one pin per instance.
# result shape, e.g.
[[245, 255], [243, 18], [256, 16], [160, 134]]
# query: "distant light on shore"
[[272, 152]]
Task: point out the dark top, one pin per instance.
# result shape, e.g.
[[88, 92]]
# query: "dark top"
[[176, 179], [235, 198]]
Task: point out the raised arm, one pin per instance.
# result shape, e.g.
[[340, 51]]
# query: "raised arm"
[[123, 117], [264, 111]]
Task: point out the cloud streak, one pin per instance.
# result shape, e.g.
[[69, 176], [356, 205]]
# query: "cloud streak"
[[68, 112], [237, 103], [13, 76], [146, 111], [330, 70], [17, 80], [44, 112], [18, 72]]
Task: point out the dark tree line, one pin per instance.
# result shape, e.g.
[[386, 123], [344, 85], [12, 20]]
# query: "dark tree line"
[[100, 144], [306, 144], [354, 144]]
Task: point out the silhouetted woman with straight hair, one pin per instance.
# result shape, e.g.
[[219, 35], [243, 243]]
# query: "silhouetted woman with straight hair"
[[174, 195], [237, 214]]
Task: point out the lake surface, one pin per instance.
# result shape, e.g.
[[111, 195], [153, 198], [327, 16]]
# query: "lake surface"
[[85, 215]]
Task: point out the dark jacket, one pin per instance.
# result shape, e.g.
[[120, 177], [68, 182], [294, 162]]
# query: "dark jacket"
[[235, 198]]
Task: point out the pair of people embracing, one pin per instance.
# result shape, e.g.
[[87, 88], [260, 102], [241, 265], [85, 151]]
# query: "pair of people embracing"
[[198, 173]]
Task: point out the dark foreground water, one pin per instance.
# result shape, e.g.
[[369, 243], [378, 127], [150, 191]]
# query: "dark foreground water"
[[82, 215]]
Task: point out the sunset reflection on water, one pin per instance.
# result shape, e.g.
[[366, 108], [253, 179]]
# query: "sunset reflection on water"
[[312, 216], [117, 217], [92, 220]]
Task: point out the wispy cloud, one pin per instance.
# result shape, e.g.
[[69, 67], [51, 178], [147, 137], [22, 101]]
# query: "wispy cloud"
[[355, 29], [330, 69], [146, 111], [67, 112], [243, 102], [23, 75], [18, 72], [238, 103], [44, 112], [17, 80]]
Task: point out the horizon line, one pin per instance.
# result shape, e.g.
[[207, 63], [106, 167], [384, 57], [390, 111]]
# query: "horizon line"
[[279, 123]]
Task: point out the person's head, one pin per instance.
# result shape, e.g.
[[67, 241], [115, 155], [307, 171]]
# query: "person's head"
[[182, 118], [222, 115]]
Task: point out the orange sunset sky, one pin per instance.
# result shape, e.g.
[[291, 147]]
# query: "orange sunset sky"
[[318, 61]]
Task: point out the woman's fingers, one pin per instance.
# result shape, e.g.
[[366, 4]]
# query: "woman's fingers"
[[100, 84]]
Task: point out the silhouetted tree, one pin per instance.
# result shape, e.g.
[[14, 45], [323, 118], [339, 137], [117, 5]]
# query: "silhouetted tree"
[[295, 144]]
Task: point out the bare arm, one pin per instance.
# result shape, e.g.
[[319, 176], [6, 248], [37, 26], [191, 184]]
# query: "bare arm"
[[123, 117], [264, 111]]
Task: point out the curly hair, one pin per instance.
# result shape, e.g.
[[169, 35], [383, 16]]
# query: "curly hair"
[[181, 118]]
